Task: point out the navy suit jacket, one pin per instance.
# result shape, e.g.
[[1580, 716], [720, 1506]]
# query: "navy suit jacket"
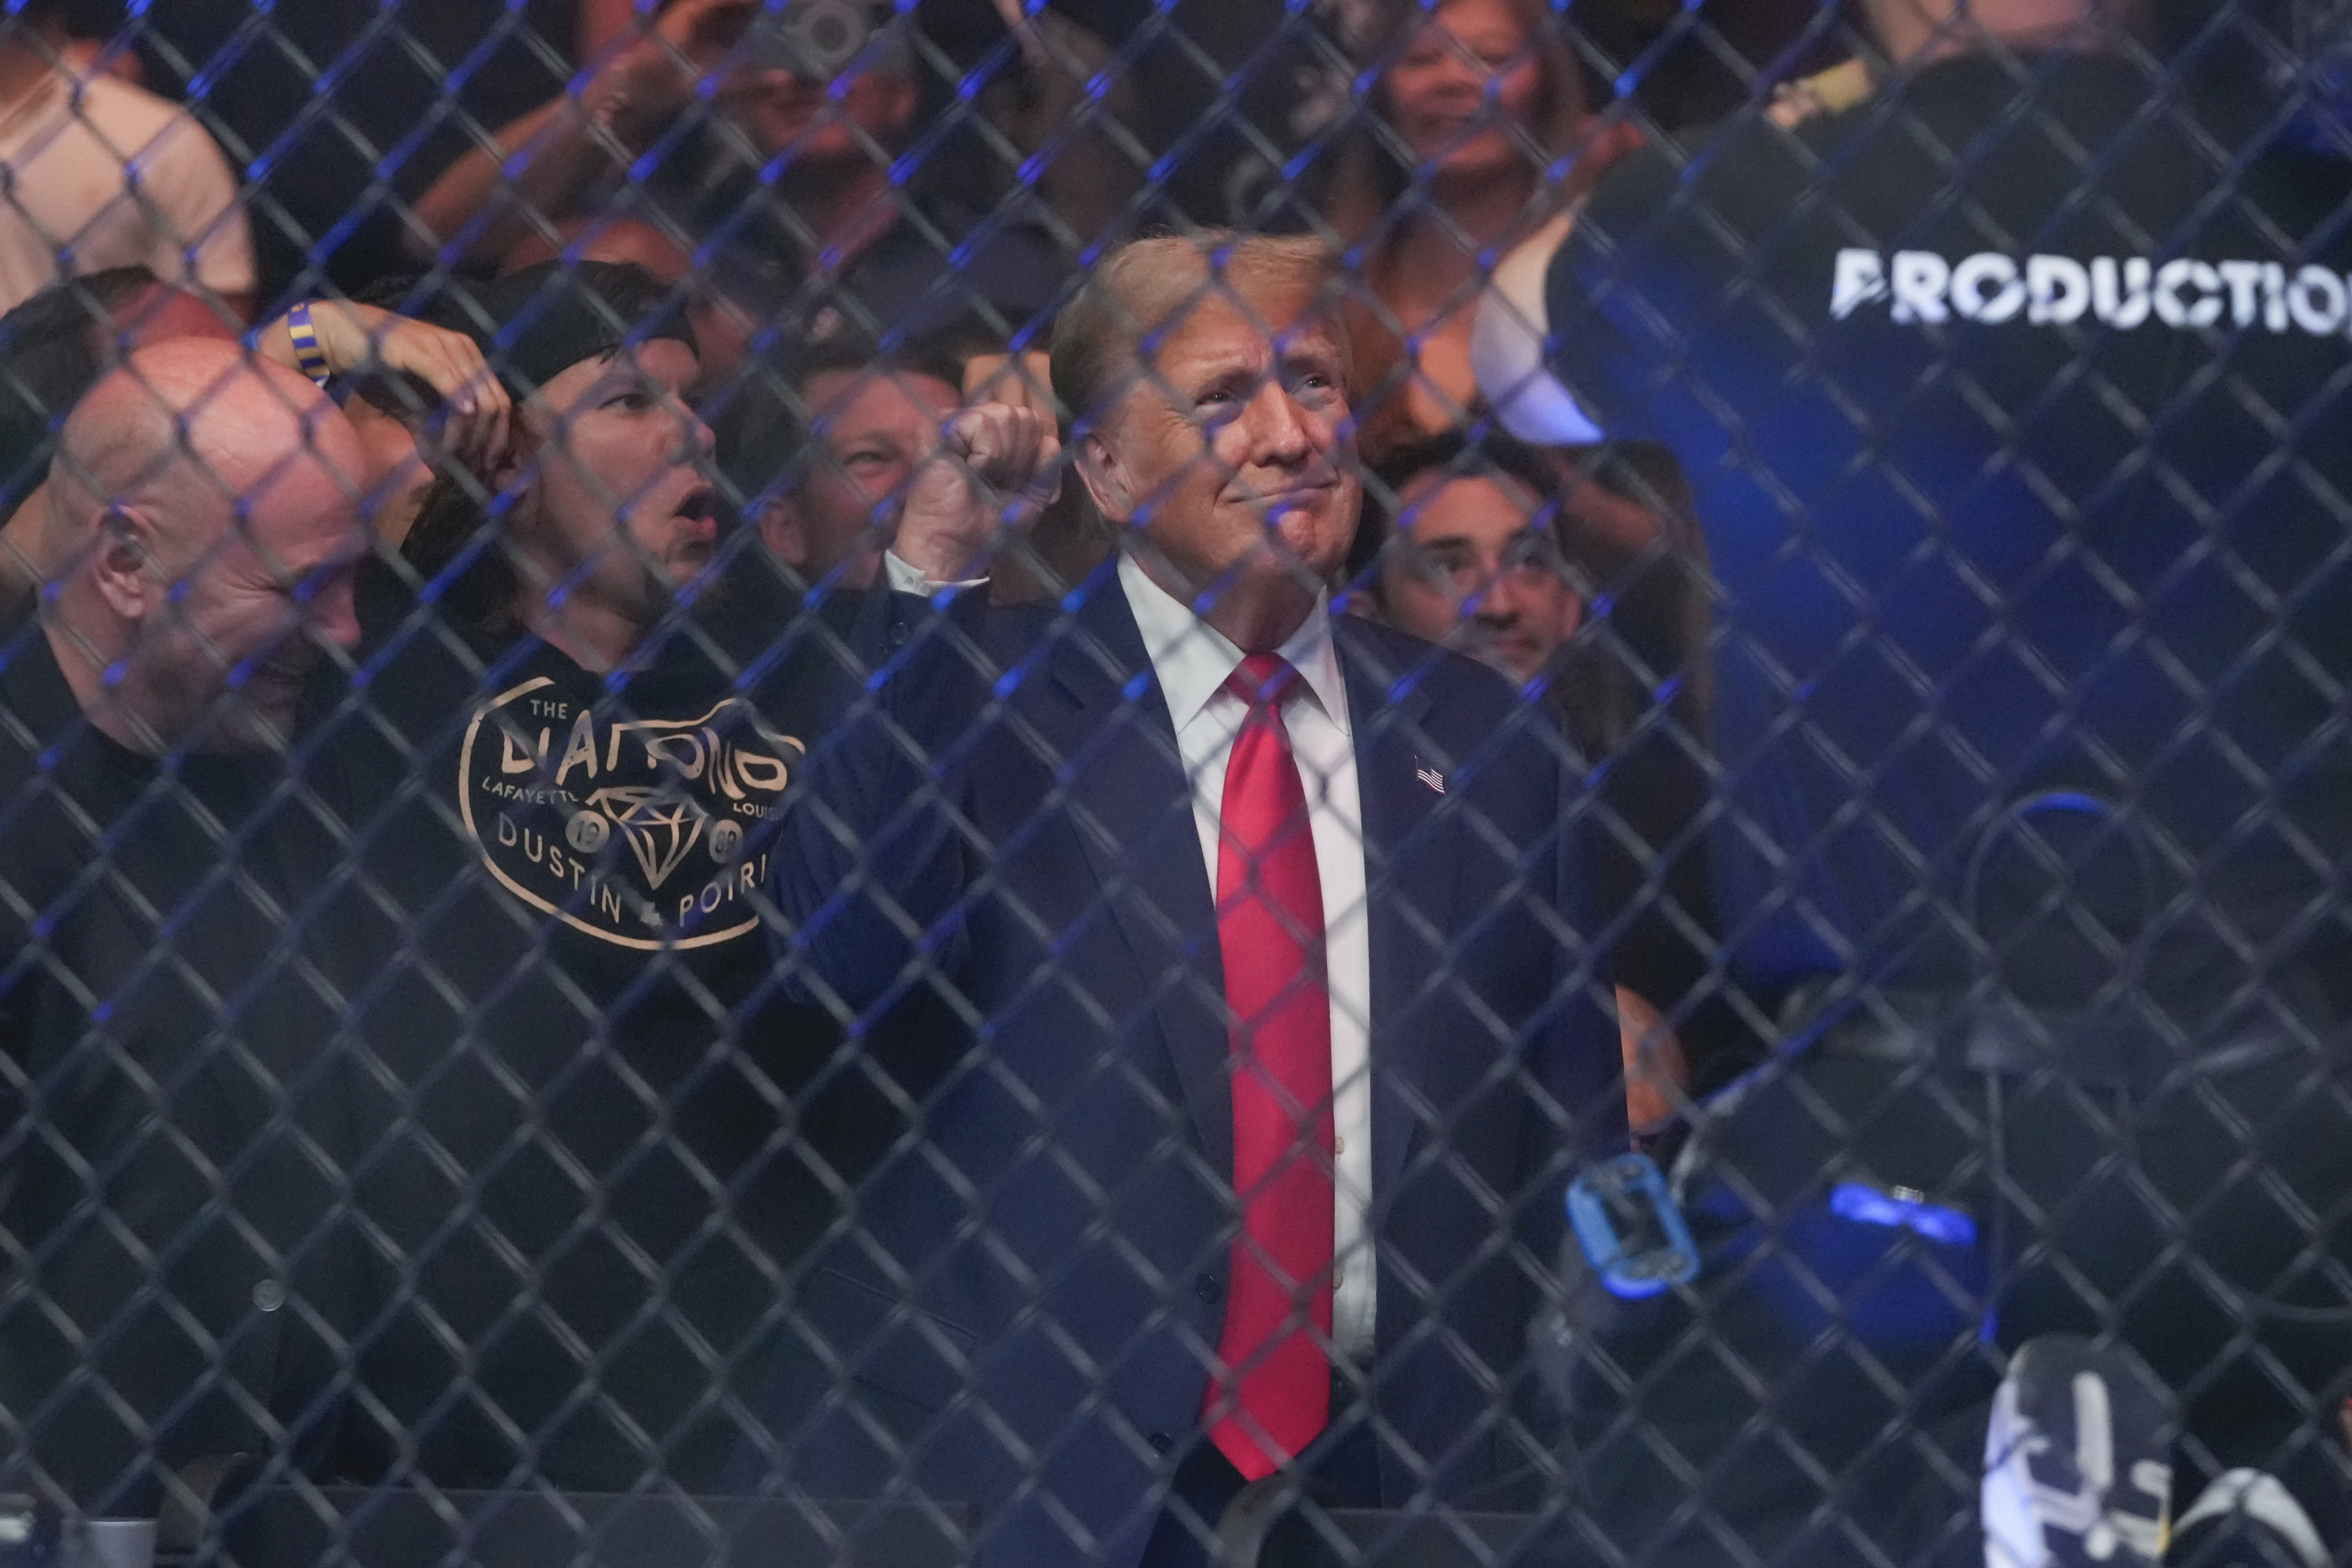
[[1023, 1308]]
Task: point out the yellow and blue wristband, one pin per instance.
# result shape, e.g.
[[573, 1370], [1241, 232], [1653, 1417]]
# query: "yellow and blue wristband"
[[307, 354]]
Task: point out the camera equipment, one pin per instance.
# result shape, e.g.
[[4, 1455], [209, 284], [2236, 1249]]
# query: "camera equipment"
[[811, 38]]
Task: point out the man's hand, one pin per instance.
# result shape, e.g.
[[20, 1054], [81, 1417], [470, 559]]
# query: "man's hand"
[[476, 414], [656, 76], [997, 467], [1025, 381]]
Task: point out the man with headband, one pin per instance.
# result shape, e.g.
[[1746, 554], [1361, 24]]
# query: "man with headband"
[[561, 808]]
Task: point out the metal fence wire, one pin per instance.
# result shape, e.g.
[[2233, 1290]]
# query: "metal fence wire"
[[1422, 782]]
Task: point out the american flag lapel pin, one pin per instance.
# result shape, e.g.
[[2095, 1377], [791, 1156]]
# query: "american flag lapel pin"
[[1433, 778]]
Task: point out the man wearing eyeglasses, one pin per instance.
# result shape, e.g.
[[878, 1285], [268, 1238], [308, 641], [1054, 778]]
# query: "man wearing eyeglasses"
[[1473, 549], [1475, 563]]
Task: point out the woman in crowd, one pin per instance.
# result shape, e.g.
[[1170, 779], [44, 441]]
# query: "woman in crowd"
[[1476, 137]]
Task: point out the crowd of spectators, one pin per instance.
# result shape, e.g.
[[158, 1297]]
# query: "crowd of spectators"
[[819, 748]]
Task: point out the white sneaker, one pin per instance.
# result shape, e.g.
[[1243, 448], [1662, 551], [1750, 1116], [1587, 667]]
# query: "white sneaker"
[[2247, 1520], [2076, 1469]]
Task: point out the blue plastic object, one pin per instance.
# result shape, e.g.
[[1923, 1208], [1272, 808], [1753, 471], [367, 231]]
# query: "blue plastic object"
[[1626, 1221], [1861, 1202]]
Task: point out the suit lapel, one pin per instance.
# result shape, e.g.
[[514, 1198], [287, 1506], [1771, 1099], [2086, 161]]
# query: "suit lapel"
[[1409, 878], [1130, 807]]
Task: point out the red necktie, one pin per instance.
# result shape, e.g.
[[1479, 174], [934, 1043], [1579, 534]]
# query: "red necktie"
[[1275, 1393]]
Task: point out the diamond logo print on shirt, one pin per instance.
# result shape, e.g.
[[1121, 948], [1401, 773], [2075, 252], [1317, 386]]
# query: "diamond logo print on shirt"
[[660, 826], [552, 785]]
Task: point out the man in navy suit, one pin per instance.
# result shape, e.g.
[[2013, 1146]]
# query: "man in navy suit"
[[1285, 1033]]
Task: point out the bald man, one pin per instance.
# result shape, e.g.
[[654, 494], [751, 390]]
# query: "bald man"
[[174, 1275], [177, 621]]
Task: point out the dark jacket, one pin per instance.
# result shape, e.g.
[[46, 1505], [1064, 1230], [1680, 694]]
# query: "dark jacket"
[[1034, 1291], [181, 1259], [2024, 597], [2031, 673]]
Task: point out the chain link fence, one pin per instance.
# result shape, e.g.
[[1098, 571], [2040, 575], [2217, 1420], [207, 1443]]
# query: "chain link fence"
[[1428, 783]]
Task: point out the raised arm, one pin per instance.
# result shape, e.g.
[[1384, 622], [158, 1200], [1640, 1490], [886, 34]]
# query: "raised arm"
[[873, 863], [539, 167], [997, 467], [352, 337]]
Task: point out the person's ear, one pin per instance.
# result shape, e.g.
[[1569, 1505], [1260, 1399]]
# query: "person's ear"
[[1571, 614], [522, 479], [123, 565], [785, 534], [522, 450], [1108, 479]]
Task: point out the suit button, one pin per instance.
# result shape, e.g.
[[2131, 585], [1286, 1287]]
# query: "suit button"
[[1161, 1442], [1210, 1288], [268, 1295]]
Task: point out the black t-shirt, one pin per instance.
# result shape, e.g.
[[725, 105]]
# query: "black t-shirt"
[[564, 976], [178, 1262], [2014, 419]]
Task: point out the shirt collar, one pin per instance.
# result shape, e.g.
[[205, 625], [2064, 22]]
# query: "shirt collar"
[[1193, 659]]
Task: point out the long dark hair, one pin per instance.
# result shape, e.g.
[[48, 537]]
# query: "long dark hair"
[[53, 348], [461, 525]]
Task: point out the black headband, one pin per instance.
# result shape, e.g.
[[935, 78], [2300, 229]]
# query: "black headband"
[[535, 324]]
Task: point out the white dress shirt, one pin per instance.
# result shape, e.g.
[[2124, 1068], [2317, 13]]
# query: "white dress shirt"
[[901, 577], [1193, 662]]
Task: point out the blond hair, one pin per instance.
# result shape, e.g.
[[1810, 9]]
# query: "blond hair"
[[1146, 286]]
